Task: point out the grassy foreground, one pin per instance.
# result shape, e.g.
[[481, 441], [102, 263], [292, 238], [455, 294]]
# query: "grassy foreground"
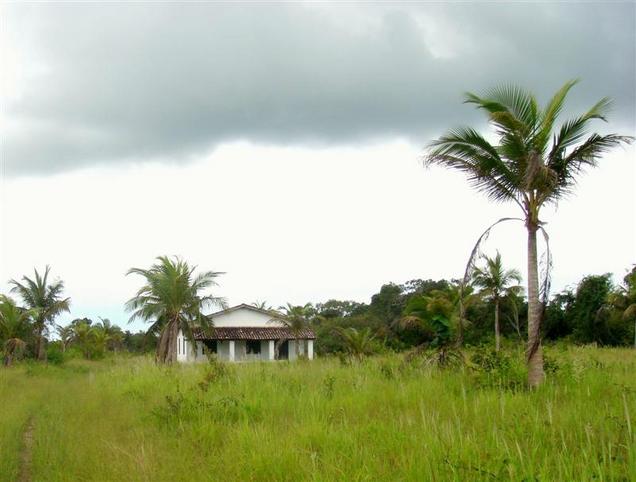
[[126, 419]]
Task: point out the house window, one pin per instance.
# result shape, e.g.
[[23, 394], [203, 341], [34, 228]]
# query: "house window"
[[253, 347]]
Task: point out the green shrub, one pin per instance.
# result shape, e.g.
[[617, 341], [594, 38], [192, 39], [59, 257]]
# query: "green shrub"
[[497, 369], [54, 354]]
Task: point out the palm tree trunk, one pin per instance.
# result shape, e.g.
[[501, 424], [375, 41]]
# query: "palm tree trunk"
[[39, 352], [534, 355], [460, 324], [497, 334], [171, 355], [160, 354]]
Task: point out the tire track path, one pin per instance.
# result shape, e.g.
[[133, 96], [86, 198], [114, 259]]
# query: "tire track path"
[[26, 455]]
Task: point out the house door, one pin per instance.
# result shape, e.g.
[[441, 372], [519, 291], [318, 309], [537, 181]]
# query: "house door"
[[283, 351]]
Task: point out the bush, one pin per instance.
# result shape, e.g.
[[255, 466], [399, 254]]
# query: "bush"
[[54, 354], [497, 369]]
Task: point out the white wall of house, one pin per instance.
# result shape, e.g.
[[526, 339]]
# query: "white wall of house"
[[244, 317]]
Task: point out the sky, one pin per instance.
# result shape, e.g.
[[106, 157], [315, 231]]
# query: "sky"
[[282, 143]]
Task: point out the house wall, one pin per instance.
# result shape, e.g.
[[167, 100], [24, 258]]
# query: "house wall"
[[244, 317], [223, 350], [265, 350]]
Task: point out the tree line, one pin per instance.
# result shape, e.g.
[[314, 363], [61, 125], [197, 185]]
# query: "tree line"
[[400, 317]]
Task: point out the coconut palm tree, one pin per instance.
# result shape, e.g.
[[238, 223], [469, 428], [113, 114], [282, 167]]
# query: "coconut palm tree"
[[46, 301], [66, 335], [357, 343], [14, 328], [99, 338], [172, 300], [262, 305], [82, 336], [461, 296], [533, 163], [435, 312], [114, 333], [514, 298], [494, 281], [296, 319]]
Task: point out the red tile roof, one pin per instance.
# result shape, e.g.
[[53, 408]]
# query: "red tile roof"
[[252, 333]]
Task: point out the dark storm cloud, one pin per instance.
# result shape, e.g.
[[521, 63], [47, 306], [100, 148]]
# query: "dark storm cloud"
[[120, 83]]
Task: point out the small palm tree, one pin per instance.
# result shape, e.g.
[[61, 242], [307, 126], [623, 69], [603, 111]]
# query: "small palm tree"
[[461, 296], [534, 163], [434, 312], [46, 301], [99, 339], [296, 319], [114, 333], [82, 337], [262, 305], [14, 328], [357, 343], [66, 335], [513, 298], [172, 300], [494, 280]]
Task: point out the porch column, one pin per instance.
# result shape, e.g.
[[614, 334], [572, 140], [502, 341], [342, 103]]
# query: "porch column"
[[272, 350], [231, 350], [310, 349]]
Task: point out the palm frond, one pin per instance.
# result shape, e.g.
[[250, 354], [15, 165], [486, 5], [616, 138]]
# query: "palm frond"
[[509, 98], [464, 149]]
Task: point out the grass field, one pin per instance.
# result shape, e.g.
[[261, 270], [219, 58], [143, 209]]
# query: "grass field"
[[126, 419]]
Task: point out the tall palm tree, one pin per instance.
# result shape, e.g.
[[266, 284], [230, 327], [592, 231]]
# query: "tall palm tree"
[[14, 328], [494, 280], [534, 163], [172, 300], [296, 319], [46, 301]]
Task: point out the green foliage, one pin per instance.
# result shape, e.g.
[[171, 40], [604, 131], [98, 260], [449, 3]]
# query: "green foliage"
[[588, 320], [433, 312], [498, 369], [15, 328], [54, 354], [358, 343]]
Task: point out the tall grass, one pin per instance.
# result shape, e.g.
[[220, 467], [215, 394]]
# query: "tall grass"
[[127, 419]]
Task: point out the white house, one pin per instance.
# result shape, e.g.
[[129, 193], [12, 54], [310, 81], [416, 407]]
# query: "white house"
[[246, 333]]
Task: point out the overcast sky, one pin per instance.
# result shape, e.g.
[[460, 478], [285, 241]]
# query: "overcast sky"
[[281, 143]]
